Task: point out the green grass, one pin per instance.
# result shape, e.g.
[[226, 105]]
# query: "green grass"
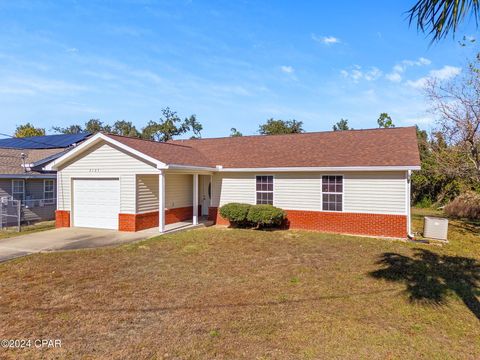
[[463, 235], [245, 294], [28, 229]]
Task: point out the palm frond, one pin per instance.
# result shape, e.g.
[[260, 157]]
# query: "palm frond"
[[440, 17]]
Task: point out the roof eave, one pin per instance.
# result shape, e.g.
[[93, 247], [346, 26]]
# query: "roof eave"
[[321, 168]]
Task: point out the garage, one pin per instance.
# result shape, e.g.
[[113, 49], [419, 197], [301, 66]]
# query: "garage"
[[96, 203]]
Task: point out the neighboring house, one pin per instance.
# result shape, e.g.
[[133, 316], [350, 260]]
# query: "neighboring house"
[[354, 182], [22, 176]]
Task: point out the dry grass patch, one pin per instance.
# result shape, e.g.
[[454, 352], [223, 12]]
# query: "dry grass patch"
[[218, 293]]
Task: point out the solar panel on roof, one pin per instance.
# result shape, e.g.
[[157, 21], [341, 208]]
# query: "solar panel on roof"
[[43, 142]]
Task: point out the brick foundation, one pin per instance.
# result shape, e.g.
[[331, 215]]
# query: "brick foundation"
[[137, 222], [341, 222], [62, 218]]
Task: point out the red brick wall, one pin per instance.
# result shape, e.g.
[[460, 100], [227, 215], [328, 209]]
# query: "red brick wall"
[[127, 222], [137, 222], [338, 222], [62, 218]]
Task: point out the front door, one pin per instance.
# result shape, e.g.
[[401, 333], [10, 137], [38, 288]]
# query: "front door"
[[205, 194]]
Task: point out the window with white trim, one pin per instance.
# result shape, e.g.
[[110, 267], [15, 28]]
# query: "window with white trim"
[[48, 190], [18, 189], [264, 189], [332, 193]]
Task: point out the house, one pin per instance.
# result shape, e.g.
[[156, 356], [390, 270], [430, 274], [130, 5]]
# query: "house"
[[355, 182], [23, 178]]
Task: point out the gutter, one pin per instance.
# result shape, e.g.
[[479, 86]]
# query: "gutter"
[[28, 176]]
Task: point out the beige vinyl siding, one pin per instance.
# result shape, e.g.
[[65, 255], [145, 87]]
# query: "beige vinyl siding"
[[375, 192], [233, 187], [365, 192], [178, 190], [297, 191], [147, 193], [104, 161]]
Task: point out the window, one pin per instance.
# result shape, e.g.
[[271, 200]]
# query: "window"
[[265, 190], [332, 193], [48, 191], [18, 189]]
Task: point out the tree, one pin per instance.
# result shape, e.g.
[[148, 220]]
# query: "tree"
[[385, 121], [440, 17], [456, 104], [72, 129], [94, 126], [341, 125], [125, 128], [276, 127], [169, 126], [28, 130], [234, 132], [194, 126]]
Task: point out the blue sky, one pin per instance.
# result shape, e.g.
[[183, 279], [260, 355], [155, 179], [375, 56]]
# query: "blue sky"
[[232, 63]]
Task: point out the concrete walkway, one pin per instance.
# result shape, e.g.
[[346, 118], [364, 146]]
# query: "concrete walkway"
[[67, 239]]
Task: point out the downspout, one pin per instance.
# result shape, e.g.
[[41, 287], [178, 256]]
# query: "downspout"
[[408, 204]]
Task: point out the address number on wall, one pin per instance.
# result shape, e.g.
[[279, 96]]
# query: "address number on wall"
[[94, 170]]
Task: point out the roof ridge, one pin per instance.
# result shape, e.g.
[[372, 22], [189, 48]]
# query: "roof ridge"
[[293, 134], [146, 140]]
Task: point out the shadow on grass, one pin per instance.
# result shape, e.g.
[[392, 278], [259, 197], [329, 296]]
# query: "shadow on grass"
[[430, 277], [200, 307]]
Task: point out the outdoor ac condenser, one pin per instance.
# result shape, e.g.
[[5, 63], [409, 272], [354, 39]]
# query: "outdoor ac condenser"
[[435, 228]]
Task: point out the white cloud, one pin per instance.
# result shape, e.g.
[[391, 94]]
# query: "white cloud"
[[357, 73], [445, 73], [287, 69], [421, 120], [399, 69], [33, 85], [327, 40], [72, 50], [394, 77], [372, 74]]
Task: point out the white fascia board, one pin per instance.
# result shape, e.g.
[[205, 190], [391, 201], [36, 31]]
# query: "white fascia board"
[[94, 140], [188, 167], [335, 168]]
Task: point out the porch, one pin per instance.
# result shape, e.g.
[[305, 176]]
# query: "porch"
[[171, 201]]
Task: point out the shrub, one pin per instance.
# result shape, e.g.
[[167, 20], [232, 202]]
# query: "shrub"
[[236, 213], [265, 215], [466, 205]]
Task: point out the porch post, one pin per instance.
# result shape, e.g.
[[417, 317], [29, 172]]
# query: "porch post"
[[195, 199], [161, 201]]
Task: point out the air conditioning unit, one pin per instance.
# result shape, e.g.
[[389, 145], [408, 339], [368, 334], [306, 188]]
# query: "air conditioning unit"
[[435, 228]]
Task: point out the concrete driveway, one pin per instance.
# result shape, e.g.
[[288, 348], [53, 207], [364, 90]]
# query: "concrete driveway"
[[67, 239]]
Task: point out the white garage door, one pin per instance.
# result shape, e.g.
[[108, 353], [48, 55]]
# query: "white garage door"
[[96, 203]]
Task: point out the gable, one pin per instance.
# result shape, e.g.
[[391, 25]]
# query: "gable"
[[104, 158]]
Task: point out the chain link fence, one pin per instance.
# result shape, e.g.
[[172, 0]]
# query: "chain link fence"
[[10, 213]]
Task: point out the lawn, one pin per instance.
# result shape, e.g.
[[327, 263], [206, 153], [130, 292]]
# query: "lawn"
[[26, 229], [223, 293]]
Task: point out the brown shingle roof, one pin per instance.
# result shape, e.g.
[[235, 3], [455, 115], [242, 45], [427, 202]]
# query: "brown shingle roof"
[[372, 147], [11, 160], [168, 153]]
